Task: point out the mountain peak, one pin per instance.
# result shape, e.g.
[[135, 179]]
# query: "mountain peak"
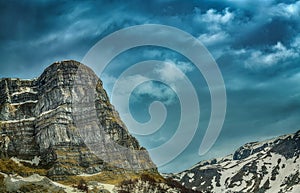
[[37, 122]]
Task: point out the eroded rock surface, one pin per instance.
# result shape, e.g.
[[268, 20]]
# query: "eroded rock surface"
[[36, 120]]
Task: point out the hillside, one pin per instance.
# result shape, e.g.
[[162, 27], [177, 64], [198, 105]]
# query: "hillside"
[[268, 166]]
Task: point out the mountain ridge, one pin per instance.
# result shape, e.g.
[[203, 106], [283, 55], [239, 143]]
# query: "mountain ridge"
[[269, 166]]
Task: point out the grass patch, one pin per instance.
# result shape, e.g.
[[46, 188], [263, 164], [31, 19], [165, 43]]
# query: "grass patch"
[[8, 166], [114, 177], [2, 185]]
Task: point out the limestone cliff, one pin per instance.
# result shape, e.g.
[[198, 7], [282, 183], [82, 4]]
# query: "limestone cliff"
[[37, 123]]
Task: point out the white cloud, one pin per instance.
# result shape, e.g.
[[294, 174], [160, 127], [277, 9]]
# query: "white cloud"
[[213, 38], [276, 55], [212, 15], [296, 43], [215, 25], [129, 82], [285, 10], [184, 66], [214, 19], [169, 70], [279, 53], [145, 87], [168, 73], [156, 91]]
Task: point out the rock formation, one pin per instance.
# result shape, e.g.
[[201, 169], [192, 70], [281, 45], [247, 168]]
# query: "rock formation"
[[37, 123]]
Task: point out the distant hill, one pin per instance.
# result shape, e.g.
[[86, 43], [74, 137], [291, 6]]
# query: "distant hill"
[[268, 166]]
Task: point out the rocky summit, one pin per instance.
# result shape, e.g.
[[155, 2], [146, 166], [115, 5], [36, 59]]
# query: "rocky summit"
[[60, 133], [37, 124], [269, 166]]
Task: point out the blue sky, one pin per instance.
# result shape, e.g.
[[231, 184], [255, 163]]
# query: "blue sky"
[[256, 45]]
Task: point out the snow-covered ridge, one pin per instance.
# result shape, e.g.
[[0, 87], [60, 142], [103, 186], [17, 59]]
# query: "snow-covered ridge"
[[268, 166], [254, 147]]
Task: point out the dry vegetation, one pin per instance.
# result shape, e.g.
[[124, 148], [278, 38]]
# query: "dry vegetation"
[[2, 187], [8, 166], [119, 177], [114, 177], [151, 184]]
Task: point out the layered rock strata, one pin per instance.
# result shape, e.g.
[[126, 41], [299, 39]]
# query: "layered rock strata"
[[37, 122]]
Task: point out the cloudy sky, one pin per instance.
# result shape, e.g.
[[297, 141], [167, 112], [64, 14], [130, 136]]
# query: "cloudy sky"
[[256, 45]]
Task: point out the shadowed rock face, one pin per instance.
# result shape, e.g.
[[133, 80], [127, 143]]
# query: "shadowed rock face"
[[37, 120]]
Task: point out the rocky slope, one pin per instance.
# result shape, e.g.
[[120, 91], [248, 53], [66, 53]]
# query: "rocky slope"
[[37, 124], [269, 166], [59, 133]]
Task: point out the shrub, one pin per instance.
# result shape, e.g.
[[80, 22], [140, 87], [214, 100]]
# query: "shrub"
[[174, 184], [147, 177], [82, 185]]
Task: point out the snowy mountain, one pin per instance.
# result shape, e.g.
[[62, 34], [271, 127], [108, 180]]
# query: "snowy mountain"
[[269, 166]]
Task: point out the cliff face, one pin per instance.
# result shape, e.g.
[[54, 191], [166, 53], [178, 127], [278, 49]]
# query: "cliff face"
[[37, 123]]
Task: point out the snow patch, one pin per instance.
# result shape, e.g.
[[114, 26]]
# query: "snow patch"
[[190, 175], [87, 175], [35, 161], [24, 90], [20, 120], [25, 102]]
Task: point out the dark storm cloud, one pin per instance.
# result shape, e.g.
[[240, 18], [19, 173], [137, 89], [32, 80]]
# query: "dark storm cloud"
[[35, 34], [31, 33]]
